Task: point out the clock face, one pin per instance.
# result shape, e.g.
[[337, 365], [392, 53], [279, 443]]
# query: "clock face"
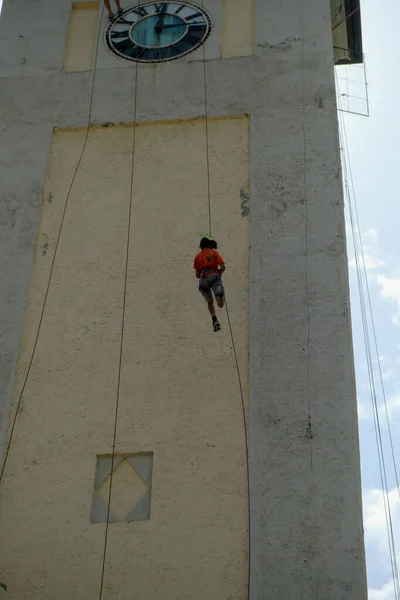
[[158, 31]]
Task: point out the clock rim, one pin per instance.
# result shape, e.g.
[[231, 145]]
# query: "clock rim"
[[114, 51]]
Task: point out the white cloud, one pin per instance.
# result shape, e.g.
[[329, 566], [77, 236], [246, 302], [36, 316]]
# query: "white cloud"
[[386, 375], [370, 251], [364, 411], [390, 290], [393, 405], [376, 541], [371, 236], [374, 516], [371, 262], [386, 592]]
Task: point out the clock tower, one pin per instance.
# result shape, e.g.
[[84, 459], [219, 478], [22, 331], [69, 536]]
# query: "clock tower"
[[143, 455]]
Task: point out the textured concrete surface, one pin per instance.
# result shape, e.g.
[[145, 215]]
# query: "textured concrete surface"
[[306, 515]]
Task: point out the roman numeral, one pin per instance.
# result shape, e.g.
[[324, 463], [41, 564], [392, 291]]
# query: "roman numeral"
[[194, 15], [162, 7], [156, 54], [197, 27], [139, 53], [119, 34], [177, 49], [123, 20], [125, 45], [191, 40], [178, 10], [140, 10]]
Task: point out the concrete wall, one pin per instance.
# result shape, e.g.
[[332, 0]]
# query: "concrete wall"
[[306, 527]]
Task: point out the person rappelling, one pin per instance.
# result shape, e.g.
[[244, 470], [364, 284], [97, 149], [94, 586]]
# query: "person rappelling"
[[209, 266]]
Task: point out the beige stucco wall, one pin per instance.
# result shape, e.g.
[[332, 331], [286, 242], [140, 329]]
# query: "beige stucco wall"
[[81, 36], [237, 35], [179, 395]]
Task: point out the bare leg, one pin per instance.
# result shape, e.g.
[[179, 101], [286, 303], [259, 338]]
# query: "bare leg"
[[108, 7], [118, 4], [220, 302], [211, 308]]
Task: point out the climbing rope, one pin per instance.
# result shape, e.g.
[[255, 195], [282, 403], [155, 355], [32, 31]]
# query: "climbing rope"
[[121, 347], [207, 145], [8, 446], [246, 442], [242, 400], [66, 203]]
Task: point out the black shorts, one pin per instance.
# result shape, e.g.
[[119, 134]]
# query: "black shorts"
[[209, 284]]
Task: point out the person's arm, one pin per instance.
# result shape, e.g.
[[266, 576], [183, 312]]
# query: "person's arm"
[[196, 268], [221, 264]]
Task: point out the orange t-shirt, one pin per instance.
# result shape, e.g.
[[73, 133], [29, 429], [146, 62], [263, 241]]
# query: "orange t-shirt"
[[208, 259]]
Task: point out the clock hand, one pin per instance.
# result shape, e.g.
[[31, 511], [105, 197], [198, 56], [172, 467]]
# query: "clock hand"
[[159, 26], [181, 24]]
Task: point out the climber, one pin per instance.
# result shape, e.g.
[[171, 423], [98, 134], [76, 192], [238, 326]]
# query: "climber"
[[209, 266], [109, 10]]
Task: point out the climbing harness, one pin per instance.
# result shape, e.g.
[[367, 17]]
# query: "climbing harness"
[[208, 270]]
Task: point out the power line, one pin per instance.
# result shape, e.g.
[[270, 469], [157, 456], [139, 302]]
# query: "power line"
[[370, 308], [378, 434], [347, 17], [338, 10]]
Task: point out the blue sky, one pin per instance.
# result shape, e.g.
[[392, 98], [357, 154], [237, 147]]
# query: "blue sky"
[[375, 159]]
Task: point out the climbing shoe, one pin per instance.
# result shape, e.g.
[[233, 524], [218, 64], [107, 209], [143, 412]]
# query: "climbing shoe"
[[217, 326]]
